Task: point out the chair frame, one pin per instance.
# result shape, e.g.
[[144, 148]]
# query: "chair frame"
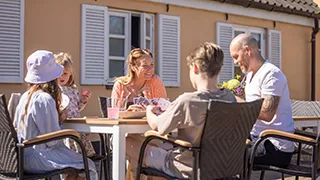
[[44, 138], [105, 137], [300, 137], [151, 135]]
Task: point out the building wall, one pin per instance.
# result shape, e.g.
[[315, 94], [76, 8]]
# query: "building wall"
[[55, 25]]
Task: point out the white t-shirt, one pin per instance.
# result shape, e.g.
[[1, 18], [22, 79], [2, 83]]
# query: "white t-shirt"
[[269, 80]]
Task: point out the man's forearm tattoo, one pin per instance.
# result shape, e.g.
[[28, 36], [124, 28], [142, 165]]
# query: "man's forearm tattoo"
[[270, 103]]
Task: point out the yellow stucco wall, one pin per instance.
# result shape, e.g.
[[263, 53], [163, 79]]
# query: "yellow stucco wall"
[[55, 25]]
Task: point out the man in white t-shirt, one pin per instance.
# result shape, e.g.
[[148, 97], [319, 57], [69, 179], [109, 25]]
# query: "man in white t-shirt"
[[265, 80]]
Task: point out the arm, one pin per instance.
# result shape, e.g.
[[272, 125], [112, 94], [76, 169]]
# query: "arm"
[[269, 107], [84, 99], [238, 99], [151, 117], [46, 116], [181, 114], [271, 90]]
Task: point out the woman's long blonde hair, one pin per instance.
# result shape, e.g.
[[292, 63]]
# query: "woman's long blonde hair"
[[51, 88], [65, 60], [132, 60]]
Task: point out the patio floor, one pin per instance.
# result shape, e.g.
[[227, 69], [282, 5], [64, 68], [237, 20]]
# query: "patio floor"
[[269, 175]]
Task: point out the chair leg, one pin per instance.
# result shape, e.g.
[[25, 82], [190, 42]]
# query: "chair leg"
[[106, 172], [297, 177], [100, 170], [262, 175], [282, 176], [109, 157]]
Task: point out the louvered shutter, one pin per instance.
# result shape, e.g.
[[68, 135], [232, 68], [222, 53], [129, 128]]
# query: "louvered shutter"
[[224, 38], [169, 50], [11, 41], [274, 47], [94, 44]]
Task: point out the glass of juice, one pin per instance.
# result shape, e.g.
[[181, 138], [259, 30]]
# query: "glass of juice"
[[114, 105]]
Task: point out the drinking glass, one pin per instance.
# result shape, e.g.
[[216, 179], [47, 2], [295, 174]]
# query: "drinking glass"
[[114, 105]]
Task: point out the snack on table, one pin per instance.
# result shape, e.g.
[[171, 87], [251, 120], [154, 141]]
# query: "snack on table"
[[136, 108]]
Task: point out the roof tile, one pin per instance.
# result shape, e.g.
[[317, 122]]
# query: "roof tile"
[[299, 7]]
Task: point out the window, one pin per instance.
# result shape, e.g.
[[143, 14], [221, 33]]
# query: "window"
[[118, 42], [107, 38], [226, 32], [11, 41], [127, 30]]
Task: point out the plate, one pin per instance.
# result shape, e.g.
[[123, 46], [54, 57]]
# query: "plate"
[[132, 115]]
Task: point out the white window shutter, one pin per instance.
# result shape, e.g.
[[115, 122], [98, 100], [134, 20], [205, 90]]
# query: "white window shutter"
[[224, 38], [11, 41], [94, 44], [274, 47], [147, 31], [169, 50]]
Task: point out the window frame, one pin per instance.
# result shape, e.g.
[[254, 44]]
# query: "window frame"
[[126, 37], [129, 14]]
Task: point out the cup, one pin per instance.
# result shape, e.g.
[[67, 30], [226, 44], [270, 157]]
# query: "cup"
[[114, 105]]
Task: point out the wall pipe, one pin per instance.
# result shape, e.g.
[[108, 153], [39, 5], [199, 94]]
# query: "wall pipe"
[[313, 59]]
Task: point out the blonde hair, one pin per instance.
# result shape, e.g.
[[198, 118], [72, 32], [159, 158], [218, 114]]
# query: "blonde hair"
[[133, 60], [209, 57], [65, 60], [51, 88]]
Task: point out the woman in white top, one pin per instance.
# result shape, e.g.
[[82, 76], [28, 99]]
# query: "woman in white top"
[[38, 112]]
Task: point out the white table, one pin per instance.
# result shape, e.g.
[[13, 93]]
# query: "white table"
[[116, 127], [307, 121]]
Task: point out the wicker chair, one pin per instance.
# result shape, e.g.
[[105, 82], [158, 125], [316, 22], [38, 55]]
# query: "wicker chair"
[[295, 168], [307, 143], [12, 152], [222, 149]]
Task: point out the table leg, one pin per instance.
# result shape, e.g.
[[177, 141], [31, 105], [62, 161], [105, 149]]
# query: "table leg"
[[118, 154]]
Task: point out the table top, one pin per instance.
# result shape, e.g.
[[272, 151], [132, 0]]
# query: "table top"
[[305, 118], [105, 121]]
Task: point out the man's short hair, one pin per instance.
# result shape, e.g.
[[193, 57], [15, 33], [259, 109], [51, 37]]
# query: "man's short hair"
[[209, 57]]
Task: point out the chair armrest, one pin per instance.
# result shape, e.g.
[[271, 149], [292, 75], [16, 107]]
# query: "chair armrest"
[[48, 136], [286, 135], [305, 133], [168, 138], [248, 142]]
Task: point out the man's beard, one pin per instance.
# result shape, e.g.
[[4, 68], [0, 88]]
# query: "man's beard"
[[244, 70]]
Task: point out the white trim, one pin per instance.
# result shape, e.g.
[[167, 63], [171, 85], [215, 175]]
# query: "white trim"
[[239, 10], [144, 37]]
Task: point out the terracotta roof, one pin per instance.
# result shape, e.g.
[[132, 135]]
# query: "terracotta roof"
[[306, 8]]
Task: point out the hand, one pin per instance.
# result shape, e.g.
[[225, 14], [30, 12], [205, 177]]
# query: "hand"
[[136, 107], [154, 110], [85, 96]]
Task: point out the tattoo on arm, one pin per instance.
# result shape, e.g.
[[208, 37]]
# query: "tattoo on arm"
[[270, 104]]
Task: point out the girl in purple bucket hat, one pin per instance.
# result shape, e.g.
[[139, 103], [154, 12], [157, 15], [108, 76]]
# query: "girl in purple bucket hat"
[[38, 112]]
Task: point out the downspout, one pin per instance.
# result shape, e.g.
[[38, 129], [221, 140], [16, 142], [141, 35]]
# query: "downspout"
[[313, 59]]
